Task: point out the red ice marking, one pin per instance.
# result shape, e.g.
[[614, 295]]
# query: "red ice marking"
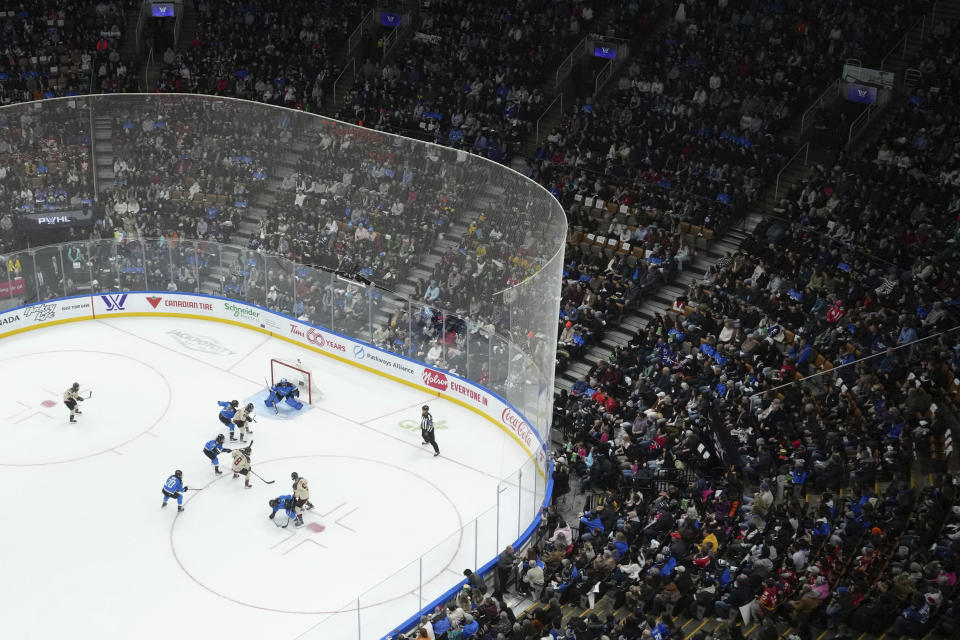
[[48, 403], [316, 527]]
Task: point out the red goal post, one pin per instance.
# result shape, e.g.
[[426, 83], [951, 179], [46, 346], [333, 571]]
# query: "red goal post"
[[295, 373]]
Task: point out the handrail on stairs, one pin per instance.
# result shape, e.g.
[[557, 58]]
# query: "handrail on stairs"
[[859, 125], [904, 41], [806, 120], [176, 28], [352, 65], [140, 20], [357, 34], [805, 150], [543, 115], [565, 67]]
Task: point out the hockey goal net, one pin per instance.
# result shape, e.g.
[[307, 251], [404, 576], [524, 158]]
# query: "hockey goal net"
[[296, 373]]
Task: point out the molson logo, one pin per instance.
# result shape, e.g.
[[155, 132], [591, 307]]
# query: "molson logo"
[[517, 424], [241, 312], [434, 379]]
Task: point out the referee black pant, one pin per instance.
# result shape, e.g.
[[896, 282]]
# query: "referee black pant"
[[429, 438]]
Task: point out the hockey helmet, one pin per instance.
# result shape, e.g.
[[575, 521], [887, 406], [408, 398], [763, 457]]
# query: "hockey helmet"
[[76, 386], [273, 503], [425, 407], [234, 404], [249, 406], [178, 473], [219, 437], [294, 476]]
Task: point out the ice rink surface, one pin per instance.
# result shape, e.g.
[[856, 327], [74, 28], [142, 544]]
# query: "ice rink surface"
[[88, 552]]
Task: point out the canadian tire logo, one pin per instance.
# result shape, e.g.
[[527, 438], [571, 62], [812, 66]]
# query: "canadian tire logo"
[[517, 424], [435, 379], [154, 301]]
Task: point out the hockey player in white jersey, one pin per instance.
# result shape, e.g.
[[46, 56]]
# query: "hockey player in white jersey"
[[301, 496], [241, 464], [243, 419], [72, 398]]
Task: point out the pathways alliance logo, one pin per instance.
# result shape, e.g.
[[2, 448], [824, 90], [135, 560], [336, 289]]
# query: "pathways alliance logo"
[[359, 353]]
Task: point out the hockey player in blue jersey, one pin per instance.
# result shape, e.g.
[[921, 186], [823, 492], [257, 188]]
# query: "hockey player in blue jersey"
[[285, 391], [174, 488], [227, 411], [212, 449], [287, 504]]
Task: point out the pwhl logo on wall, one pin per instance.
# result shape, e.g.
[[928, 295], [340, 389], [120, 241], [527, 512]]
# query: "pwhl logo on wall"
[[203, 344], [435, 379], [115, 302], [517, 424]]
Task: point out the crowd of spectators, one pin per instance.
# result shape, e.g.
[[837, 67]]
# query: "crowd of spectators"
[[471, 75], [273, 51], [53, 48], [703, 106], [45, 166]]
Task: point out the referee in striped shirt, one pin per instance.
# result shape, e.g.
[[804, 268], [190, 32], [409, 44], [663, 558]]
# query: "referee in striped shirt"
[[426, 430]]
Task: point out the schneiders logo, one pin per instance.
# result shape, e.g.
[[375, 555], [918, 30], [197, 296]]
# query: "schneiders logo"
[[241, 312], [41, 312], [204, 344], [435, 379], [8, 319], [517, 424]]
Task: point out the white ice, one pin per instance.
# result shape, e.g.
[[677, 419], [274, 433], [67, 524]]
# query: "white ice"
[[86, 551]]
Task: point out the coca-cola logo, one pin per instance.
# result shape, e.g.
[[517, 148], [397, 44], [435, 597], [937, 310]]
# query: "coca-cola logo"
[[435, 379], [517, 424]]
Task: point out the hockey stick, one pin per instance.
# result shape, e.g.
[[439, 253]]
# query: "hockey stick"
[[259, 476], [89, 394]]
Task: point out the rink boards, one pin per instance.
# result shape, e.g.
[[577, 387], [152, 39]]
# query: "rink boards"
[[318, 339]]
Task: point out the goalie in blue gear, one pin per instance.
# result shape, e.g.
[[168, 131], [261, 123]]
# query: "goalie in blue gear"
[[286, 503], [285, 391], [174, 488]]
